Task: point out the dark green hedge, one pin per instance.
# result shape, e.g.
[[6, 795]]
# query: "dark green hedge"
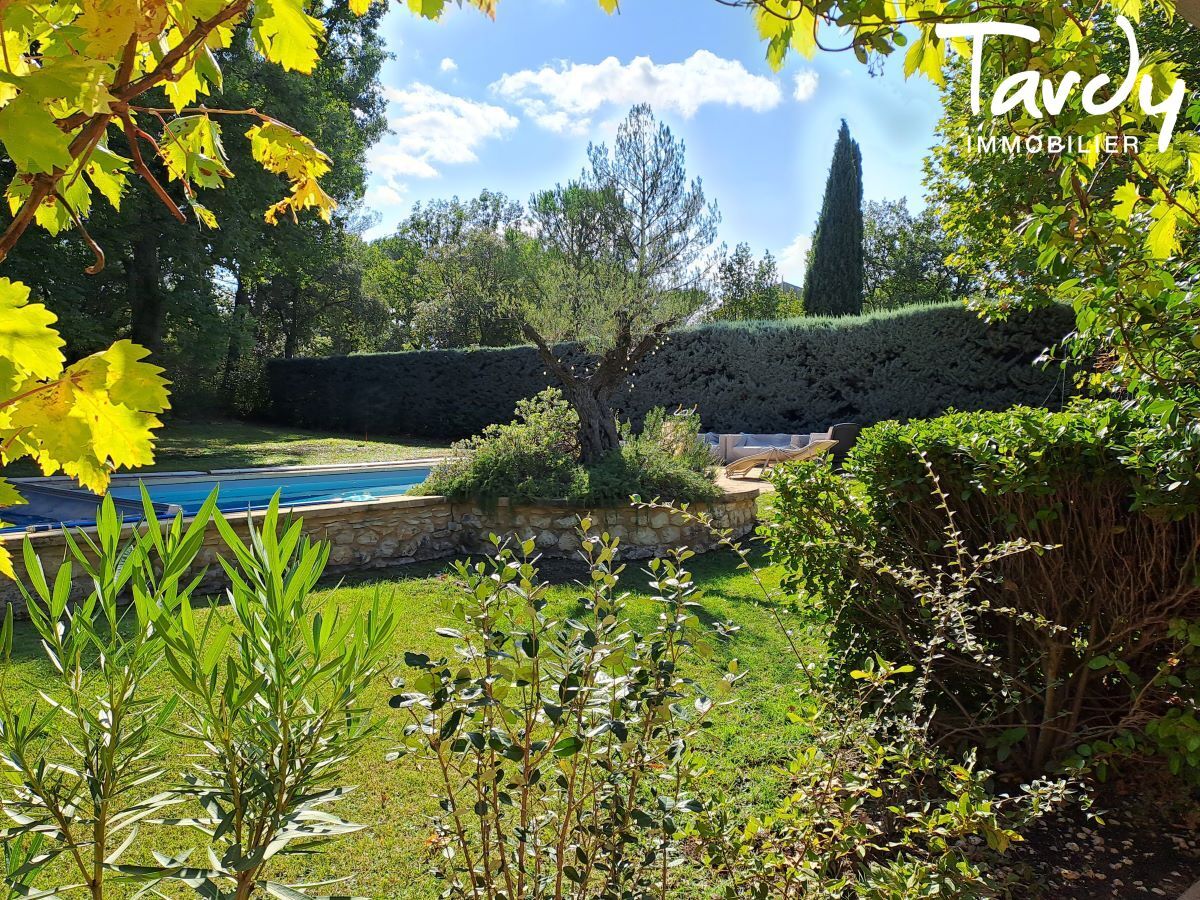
[[794, 376]]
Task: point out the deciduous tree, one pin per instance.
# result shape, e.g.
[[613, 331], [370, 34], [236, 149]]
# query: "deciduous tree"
[[751, 290], [904, 258], [469, 271]]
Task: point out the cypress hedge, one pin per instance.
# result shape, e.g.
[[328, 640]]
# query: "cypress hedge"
[[795, 375]]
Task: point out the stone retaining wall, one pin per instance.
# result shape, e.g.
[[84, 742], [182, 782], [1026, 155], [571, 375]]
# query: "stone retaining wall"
[[402, 530], [643, 533]]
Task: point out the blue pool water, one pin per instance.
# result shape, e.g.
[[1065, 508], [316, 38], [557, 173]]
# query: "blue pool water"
[[243, 492]]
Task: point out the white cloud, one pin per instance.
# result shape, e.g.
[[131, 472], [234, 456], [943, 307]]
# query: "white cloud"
[[806, 84], [793, 259], [432, 128], [387, 194], [564, 98], [448, 65]]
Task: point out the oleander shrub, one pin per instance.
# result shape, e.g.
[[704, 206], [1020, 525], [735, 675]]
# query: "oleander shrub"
[[795, 375], [536, 457], [267, 704], [1085, 637]]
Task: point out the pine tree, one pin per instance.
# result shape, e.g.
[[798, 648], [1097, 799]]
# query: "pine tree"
[[834, 283]]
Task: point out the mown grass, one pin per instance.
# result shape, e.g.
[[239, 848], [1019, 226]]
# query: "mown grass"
[[183, 444], [390, 860]]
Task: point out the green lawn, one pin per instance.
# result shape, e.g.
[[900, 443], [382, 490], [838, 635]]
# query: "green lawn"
[[388, 860], [221, 444], [184, 444]]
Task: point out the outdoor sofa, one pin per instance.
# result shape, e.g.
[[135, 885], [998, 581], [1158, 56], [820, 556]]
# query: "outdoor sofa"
[[727, 449]]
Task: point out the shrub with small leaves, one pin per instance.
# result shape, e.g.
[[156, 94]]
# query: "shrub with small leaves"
[[873, 810], [562, 744], [537, 457], [876, 808], [665, 459], [533, 457], [1073, 651]]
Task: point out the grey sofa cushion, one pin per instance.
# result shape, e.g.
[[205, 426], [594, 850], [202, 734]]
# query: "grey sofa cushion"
[[762, 441], [742, 445]]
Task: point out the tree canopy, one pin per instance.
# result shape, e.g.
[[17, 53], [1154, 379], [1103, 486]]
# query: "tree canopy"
[[905, 258], [212, 303], [746, 289], [620, 257]]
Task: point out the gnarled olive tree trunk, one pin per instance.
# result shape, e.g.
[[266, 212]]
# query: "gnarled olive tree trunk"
[[598, 434], [590, 388]]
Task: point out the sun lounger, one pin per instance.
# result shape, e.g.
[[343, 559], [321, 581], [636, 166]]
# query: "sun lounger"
[[739, 446], [770, 456]]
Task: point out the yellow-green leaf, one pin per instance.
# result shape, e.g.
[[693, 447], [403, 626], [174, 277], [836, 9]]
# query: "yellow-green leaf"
[[119, 434], [1125, 198], [27, 341], [926, 56], [192, 150], [286, 34], [429, 9], [1162, 240], [9, 496], [107, 172], [132, 381], [34, 142]]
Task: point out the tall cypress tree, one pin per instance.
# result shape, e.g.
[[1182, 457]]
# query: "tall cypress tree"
[[834, 283]]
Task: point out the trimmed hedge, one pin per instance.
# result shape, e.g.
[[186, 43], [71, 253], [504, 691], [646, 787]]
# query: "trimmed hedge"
[[796, 375]]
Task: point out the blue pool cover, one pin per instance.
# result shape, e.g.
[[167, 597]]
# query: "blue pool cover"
[[240, 493], [52, 507]]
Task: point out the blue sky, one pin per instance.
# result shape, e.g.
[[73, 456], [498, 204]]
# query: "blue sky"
[[511, 104]]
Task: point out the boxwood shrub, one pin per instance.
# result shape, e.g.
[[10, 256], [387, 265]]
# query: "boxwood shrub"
[[796, 376]]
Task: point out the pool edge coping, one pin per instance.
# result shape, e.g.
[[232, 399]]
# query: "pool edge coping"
[[124, 479], [307, 511]]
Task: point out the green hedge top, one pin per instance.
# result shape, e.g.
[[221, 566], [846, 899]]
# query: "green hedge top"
[[796, 376], [1038, 454]]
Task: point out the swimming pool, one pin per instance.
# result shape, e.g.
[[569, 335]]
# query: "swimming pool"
[[244, 491], [55, 502]]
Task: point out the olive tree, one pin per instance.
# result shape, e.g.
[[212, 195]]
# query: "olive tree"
[[621, 253]]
